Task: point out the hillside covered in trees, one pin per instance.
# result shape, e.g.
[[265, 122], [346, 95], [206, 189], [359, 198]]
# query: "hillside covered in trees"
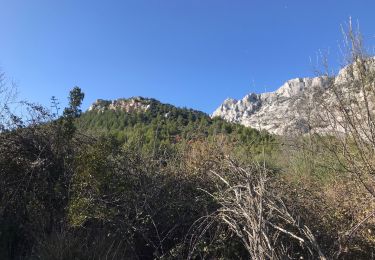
[[155, 126]]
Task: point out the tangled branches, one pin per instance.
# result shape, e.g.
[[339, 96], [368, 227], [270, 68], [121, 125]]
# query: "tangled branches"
[[250, 209]]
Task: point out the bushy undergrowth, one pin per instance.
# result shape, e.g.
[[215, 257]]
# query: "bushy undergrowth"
[[80, 197], [332, 201]]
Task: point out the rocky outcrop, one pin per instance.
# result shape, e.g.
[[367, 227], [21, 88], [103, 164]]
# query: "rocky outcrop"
[[130, 105], [299, 105], [279, 112]]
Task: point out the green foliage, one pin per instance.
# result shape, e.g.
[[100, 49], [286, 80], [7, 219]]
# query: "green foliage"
[[73, 111], [33, 186], [135, 196], [76, 97], [35, 174], [164, 127]]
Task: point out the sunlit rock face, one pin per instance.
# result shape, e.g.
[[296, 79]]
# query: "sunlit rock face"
[[305, 105], [280, 112], [134, 104]]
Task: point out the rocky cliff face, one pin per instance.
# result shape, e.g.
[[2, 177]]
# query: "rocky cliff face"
[[130, 105], [279, 112], [290, 109], [297, 105]]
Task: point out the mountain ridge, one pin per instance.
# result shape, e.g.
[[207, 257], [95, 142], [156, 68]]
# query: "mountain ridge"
[[287, 110], [277, 111]]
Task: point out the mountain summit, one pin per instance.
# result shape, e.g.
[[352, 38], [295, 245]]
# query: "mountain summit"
[[133, 104], [278, 112], [290, 109]]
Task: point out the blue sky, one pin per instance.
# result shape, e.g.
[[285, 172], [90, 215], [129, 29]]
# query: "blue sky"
[[192, 53]]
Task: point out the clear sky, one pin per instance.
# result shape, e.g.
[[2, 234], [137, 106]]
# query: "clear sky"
[[192, 53]]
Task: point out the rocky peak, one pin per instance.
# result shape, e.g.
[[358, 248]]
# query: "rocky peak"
[[277, 112], [286, 111], [297, 86], [134, 104]]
